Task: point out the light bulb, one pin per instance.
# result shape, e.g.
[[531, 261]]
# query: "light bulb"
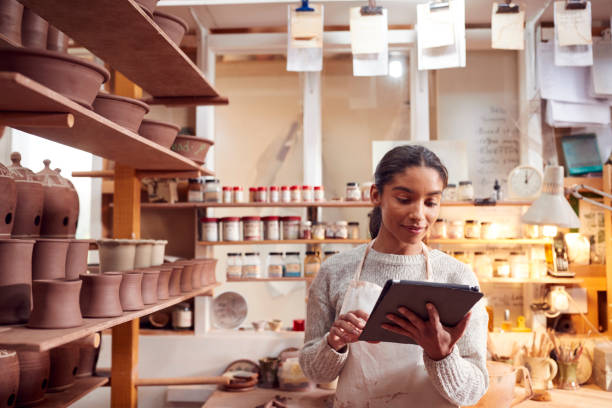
[[396, 69]]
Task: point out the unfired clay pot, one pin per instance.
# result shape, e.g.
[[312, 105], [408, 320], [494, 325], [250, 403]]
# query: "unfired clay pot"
[[30, 196], [192, 147], [60, 206], [158, 253], [162, 133], [64, 366], [56, 40], [49, 258], [33, 30], [163, 283], [150, 280], [11, 13], [187, 276], [149, 5], [74, 209], [208, 271], [196, 279], [88, 358], [9, 378], [100, 295], [144, 249], [8, 202], [76, 259], [173, 26], [130, 291], [33, 377], [174, 287], [56, 304], [116, 254], [15, 280], [126, 112]]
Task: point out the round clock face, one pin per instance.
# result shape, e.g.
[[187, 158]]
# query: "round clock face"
[[524, 182]]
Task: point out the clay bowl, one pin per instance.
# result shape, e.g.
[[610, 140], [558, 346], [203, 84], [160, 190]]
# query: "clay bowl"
[[8, 202], [100, 295], [73, 77], [174, 286], [34, 367], [76, 258], [49, 258], [30, 196], [9, 378], [186, 276], [163, 283], [158, 253], [148, 5], [162, 133], [208, 271], [150, 282], [126, 112], [130, 291], [56, 304], [191, 147], [64, 366], [11, 13], [56, 40], [15, 280], [117, 254], [33, 30], [144, 250], [88, 358], [173, 26]]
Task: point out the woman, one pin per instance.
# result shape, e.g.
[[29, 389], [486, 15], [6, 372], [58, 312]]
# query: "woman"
[[447, 368]]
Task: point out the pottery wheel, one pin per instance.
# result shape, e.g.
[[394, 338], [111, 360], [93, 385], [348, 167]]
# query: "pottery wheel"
[[229, 310]]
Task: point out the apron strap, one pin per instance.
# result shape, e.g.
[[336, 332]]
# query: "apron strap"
[[425, 250], [362, 262]]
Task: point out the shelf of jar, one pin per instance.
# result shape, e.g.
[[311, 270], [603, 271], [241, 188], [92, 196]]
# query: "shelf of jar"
[[288, 242], [81, 387], [468, 241], [547, 280], [287, 279]]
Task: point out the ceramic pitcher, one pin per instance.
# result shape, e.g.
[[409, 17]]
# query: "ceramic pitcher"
[[542, 371], [502, 378]]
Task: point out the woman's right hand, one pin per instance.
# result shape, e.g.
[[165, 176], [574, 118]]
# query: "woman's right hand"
[[347, 329]]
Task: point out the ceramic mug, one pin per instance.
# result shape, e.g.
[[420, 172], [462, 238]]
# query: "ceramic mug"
[[542, 370], [502, 378]]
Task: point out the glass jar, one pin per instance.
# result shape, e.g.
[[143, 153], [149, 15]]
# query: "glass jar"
[[568, 377], [212, 191], [319, 194], [450, 193], [472, 229], [307, 194], [182, 316], [274, 194], [365, 191], [290, 227], [275, 265], [227, 194], [539, 268], [231, 228], [233, 269], [195, 192], [353, 230], [519, 267], [341, 230], [318, 230], [262, 195], [465, 192], [438, 229], [293, 265], [271, 228], [296, 194], [488, 230], [455, 229], [483, 265], [209, 229], [312, 264], [285, 194], [352, 191], [330, 230], [306, 230], [501, 268], [252, 194], [251, 265], [329, 254], [251, 228], [531, 231], [238, 194]]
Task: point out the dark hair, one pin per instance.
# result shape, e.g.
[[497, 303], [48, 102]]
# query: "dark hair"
[[396, 161]]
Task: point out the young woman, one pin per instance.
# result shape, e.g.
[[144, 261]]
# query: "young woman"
[[447, 368]]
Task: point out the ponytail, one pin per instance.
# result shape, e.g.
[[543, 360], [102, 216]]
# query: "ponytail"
[[375, 221]]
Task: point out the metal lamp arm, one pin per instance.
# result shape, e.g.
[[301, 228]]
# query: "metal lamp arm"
[[574, 190]]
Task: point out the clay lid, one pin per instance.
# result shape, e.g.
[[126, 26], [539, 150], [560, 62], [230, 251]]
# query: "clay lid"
[[19, 172], [59, 171], [51, 178]]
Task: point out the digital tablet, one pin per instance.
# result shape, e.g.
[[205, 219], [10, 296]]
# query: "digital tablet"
[[452, 301]]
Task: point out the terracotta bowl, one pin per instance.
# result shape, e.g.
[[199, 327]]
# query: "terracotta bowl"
[[126, 112], [173, 26], [64, 366], [56, 304], [158, 253], [56, 40], [100, 295], [33, 377], [148, 5], [33, 30], [150, 281], [15, 280], [163, 283], [116, 254], [49, 258], [162, 133], [30, 200], [144, 250], [194, 148], [76, 259], [11, 13], [8, 202], [9, 378], [73, 77], [130, 291], [174, 286]]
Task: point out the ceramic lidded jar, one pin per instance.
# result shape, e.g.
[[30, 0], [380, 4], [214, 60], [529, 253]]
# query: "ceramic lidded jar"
[[163, 283], [59, 207], [64, 366], [9, 378], [130, 291], [30, 198], [33, 377], [186, 276], [49, 259], [100, 295], [8, 202], [117, 254], [56, 304], [76, 258], [75, 209], [15, 280], [150, 280]]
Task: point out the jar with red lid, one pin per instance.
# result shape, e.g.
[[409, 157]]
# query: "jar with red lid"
[[252, 194], [251, 228], [285, 194], [209, 229], [238, 194], [291, 227], [230, 227], [307, 194], [271, 228], [227, 194], [262, 195], [296, 194], [319, 194], [274, 195]]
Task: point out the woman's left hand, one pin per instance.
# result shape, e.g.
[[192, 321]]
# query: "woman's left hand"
[[437, 340]]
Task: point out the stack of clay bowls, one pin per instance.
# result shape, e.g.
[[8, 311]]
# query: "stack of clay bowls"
[[162, 133]]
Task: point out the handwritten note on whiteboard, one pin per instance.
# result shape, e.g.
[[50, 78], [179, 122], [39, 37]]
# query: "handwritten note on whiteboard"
[[573, 27]]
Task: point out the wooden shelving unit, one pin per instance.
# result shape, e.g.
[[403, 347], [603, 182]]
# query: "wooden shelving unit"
[[289, 279], [288, 242], [81, 387], [467, 241]]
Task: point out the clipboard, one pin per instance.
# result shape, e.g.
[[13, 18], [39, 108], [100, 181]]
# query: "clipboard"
[[453, 302]]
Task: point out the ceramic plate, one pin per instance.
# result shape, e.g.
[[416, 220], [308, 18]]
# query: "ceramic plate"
[[229, 310]]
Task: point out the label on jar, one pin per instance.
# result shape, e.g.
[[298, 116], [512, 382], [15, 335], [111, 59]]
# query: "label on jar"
[[250, 271], [293, 269], [319, 195], [274, 196], [311, 269], [275, 271], [307, 195], [296, 196], [234, 271], [238, 196], [290, 230], [231, 231], [211, 232], [195, 196], [227, 196], [181, 319], [286, 196], [271, 231], [252, 231]]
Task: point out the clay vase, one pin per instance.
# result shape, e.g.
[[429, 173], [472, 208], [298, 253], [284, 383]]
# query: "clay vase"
[[64, 366], [150, 280], [144, 249], [59, 204], [9, 378], [174, 286], [56, 40], [88, 359], [11, 13], [130, 291], [56, 304], [117, 254], [158, 252], [30, 196], [187, 276], [100, 295], [15, 280], [76, 258], [163, 283], [33, 377], [33, 30], [49, 259], [8, 202]]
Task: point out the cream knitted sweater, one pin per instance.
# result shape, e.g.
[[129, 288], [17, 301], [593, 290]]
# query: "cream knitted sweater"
[[461, 377]]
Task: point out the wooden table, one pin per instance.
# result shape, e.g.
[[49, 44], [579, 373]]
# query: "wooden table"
[[589, 395], [316, 398]]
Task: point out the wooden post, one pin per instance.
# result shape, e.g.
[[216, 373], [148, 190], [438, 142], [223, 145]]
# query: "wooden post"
[[124, 368], [126, 214], [419, 100], [607, 187]]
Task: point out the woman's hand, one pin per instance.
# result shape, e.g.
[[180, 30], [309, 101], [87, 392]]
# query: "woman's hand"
[[437, 340], [347, 329]]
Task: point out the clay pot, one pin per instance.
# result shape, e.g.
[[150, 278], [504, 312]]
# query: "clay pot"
[[15, 280], [56, 304], [8, 202], [76, 259], [174, 286], [163, 283], [88, 358], [158, 253], [56, 40], [100, 295], [130, 291], [191, 147], [34, 367], [60, 209], [11, 13], [74, 208], [33, 30], [144, 250], [148, 5], [173, 26], [161, 133], [196, 277], [64, 366], [187, 276], [73, 77], [116, 254], [30, 199], [49, 259], [208, 271], [150, 281], [126, 112], [9, 378]]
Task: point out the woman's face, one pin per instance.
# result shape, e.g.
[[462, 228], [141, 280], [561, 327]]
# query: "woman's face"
[[410, 203]]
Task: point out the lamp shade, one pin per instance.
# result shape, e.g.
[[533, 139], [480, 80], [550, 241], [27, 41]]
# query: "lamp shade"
[[551, 208]]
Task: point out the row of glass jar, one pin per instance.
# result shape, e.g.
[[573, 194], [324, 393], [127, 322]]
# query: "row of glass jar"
[[459, 229], [277, 265], [465, 192], [514, 265]]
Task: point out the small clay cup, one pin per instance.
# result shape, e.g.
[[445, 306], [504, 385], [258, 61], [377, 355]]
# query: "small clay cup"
[[64, 366], [15, 280], [56, 40], [8, 202], [192, 147], [56, 304], [9, 378], [49, 258], [196, 280], [163, 283], [187, 276], [159, 250], [126, 112], [76, 258], [174, 286], [30, 196], [33, 30], [150, 281], [34, 368], [173, 26], [143, 256], [162, 133], [130, 291], [100, 295], [117, 254], [11, 13]]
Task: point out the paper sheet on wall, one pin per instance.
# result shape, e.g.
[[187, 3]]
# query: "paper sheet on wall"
[[601, 70], [507, 30], [368, 33], [371, 64], [450, 56], [436, 27], [305, 40], [568, 114], [572, 27]]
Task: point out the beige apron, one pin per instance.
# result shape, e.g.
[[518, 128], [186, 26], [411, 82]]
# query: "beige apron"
[[389, 375]]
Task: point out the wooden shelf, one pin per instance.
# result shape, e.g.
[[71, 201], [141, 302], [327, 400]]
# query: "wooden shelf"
[[466, 241], [549, 280], [23, 338], [91, 132], [288, 242], [296, 279], [81, 387], [126, 38]]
